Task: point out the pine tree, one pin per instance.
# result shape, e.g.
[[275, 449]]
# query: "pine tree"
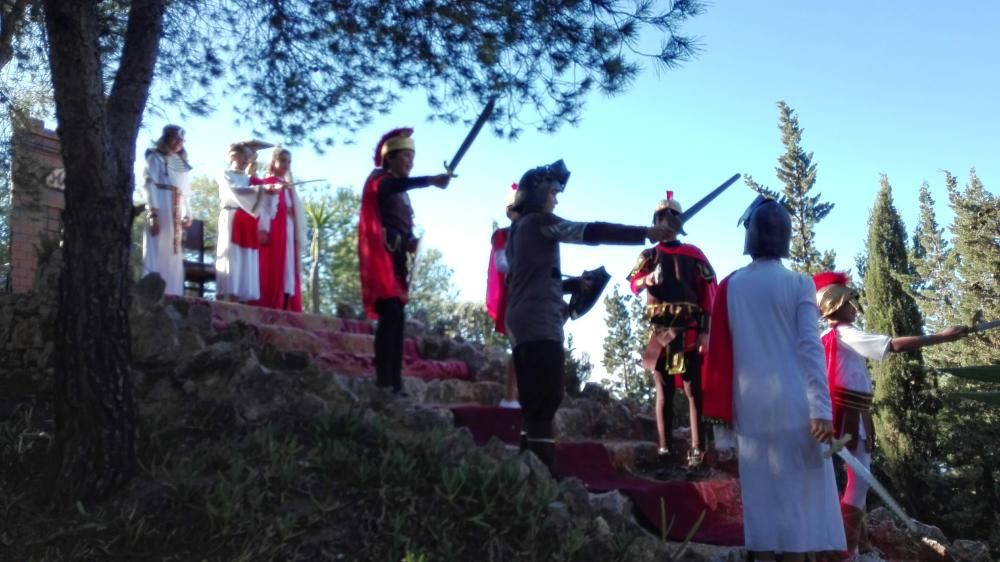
[[967, 430], [905, 397], [623, 347], [931, 262], [798, 172]]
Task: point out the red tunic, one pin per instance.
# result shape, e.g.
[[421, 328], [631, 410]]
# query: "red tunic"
[[274, 258], [378, 278]]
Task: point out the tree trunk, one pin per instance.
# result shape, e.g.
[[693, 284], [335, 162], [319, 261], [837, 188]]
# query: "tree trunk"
[[314, 269], [95, 411]]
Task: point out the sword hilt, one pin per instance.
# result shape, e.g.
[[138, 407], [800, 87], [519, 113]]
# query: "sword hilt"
[[838, 444]]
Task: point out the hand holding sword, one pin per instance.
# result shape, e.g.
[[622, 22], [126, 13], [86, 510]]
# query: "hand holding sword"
[[838, 447]]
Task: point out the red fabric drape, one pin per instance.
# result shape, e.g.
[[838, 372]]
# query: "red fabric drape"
[[378, 279], [273, 259], [717, 375], [496, 288]]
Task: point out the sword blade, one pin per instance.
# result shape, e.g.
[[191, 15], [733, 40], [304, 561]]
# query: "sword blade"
[[862, 471], [983, 326], [693, 210], [480, 121]]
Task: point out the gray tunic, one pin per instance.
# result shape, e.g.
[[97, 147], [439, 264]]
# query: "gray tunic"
[[535, 306]]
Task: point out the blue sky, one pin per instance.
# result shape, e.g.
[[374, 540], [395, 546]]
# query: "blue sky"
[[901, 88]]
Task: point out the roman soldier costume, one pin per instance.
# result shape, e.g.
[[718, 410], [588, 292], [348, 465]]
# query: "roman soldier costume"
[[680, 290], [386, 245]]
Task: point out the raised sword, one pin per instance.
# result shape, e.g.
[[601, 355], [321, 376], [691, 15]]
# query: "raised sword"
[[464, 147]]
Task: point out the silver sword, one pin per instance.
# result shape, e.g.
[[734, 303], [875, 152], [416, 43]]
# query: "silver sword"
[[837, 447]]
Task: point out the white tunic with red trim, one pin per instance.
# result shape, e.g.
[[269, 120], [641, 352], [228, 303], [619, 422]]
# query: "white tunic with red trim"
[[790, 501], [237, 256]]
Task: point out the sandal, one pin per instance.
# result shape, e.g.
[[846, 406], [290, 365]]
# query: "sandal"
[[695, 457], [663, 452]]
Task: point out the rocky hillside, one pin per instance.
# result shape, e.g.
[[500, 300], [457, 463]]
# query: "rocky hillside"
[[263, 437]]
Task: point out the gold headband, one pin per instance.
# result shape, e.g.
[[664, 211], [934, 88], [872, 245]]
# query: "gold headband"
[[397, 143]]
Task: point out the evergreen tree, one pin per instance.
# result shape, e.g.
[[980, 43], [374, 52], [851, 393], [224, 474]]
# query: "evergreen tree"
[[905, 397], [798, 172], [930, 259], [968, 430], [623, 347], [578, 368]]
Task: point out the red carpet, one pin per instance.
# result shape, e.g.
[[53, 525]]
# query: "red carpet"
[[683, 502]]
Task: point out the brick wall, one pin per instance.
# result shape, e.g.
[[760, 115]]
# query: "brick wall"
[[36, 200]]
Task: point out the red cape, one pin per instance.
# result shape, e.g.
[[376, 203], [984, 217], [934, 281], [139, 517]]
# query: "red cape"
[[378, 278], [273, 258], [496, 288], [717, 375], [688, 250]]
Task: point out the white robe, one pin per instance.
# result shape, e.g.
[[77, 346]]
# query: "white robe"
[[237, 269], [790, 501], [163, 254]]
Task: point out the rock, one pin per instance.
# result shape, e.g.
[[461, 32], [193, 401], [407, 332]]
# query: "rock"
[[898, 542], [487, 392], [557, 518], [572, 423], [450, 391], [697, 552], [240, 333], [611, 505], [575, 496], [149, 290], [536, 468], [969, 551]]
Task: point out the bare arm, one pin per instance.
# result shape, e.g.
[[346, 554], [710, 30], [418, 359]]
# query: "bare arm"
[[909, 343]]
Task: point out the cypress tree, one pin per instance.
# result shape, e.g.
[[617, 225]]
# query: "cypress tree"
[[905, 398], [797, 171], [968, 430], [932, 262]]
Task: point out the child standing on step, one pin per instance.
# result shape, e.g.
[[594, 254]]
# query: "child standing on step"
[[847, 348], [535, 308], [680, 289], [496, 295]]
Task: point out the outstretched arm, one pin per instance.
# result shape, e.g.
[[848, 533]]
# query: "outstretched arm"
[[909, 343]]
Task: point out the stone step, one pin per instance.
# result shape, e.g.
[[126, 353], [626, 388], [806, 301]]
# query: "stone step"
[[340, 345]]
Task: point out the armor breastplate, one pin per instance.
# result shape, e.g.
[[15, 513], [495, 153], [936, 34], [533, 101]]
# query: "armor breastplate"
[[677, 286], [397, 213]]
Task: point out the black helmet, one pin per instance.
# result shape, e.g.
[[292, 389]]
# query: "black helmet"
[[534, 186], [769, 229]]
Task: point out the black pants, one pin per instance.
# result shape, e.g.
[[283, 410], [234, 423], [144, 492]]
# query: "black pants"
[[691, 374], [540, 367], [389, 343]]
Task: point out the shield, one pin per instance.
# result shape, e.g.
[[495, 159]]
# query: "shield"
[[589, 288]]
